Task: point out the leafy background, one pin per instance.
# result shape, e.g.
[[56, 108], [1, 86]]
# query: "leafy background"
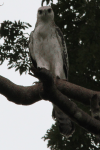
[[80, 23]]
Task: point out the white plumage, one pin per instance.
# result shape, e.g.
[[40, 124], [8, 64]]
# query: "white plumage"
[[48, 50]]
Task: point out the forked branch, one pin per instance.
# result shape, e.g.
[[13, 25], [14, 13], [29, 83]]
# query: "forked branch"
[[56, 91]]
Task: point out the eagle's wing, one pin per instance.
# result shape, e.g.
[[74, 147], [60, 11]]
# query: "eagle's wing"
[[63, 49], [66, 126], [31, 49]]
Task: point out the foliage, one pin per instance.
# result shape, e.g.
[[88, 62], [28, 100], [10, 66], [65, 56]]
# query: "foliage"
[[79, 21], [15, 46], [80, 24], [80, 140]]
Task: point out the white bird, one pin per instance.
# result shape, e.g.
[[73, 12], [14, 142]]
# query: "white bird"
[[48, 50]]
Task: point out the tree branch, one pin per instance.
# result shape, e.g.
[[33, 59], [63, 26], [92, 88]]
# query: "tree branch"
[[76, 92], [54, 90], [19, 94], [68, 107]]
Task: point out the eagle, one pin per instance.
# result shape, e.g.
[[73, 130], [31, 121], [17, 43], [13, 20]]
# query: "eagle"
[[48, 50]]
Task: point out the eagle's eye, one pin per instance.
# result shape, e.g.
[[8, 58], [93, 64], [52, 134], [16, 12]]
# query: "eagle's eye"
[[49, 10], [40, 11]]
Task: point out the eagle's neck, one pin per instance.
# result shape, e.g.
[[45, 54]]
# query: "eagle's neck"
[[44, 29]]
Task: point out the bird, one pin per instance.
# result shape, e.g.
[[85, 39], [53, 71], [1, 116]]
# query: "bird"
[[47, 49]]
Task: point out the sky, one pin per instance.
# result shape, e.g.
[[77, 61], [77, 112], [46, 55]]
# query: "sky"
[[21, 127]]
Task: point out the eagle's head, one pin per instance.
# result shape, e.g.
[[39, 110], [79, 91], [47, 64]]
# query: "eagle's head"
[[45, 13]]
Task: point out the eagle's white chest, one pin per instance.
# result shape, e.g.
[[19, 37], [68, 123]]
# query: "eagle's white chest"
[[47, 50]]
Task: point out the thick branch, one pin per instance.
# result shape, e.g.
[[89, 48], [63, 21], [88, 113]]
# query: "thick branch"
[[19, 94], [47, 90], [76, 92], [68, 107], [28, 95], [75, 113]]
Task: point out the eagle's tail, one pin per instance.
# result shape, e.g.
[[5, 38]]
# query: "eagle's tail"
[[66, 126]]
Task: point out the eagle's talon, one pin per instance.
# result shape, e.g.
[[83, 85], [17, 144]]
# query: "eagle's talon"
[[57, 77], [39, 68], [36, 82]]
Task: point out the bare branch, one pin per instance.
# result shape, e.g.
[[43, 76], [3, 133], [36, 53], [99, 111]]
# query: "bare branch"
[[48, 90], [76, 92], [68, 107], [19, 94]]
